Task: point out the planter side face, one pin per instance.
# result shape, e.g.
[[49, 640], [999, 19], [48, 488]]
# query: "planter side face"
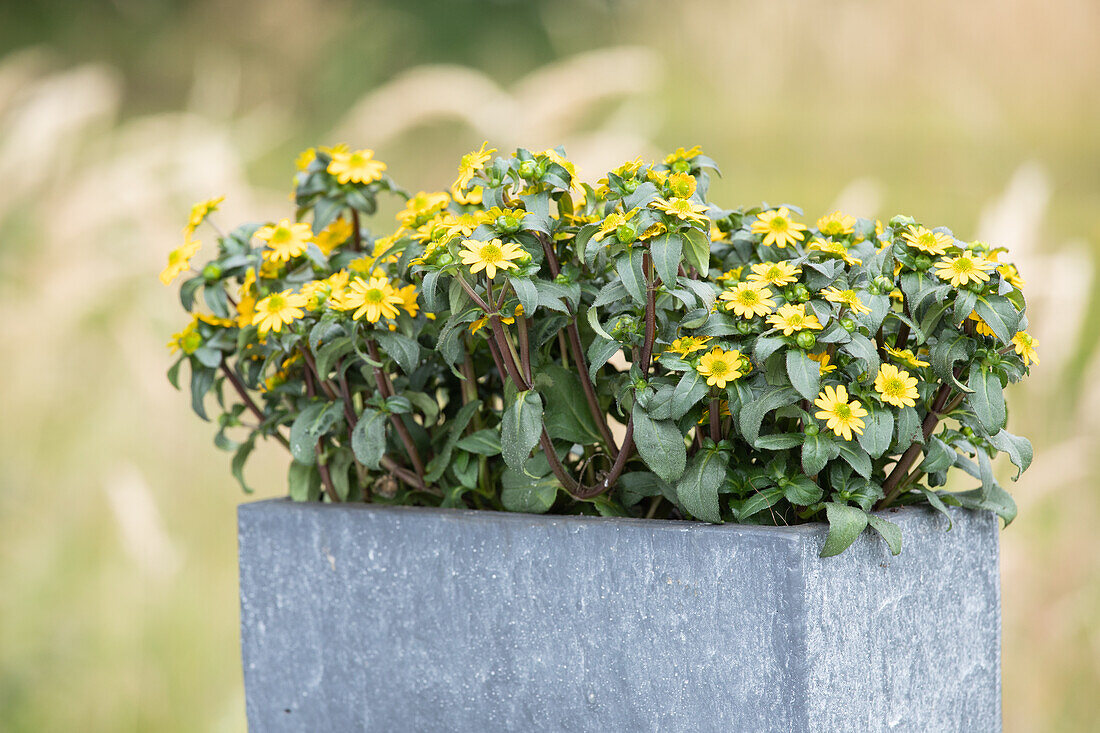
[[368, 618]]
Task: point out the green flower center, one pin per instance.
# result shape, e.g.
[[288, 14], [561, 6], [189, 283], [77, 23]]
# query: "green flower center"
[[893, 387], [280, 235], [719, 367], [275, 303], [374, 295], [749, 297], [843, 411], [963, 265], [357, 160], [491, 253], [779, 224]]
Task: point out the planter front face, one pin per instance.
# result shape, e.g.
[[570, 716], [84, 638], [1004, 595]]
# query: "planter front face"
[[399, 619]]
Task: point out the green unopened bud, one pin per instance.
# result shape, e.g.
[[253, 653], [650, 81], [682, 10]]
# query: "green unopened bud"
[[190, 342], [630, 186], [524, 257], [800, 293], [923, 262], [528, 169], [968, 431], [811, 430], [885, 284], [445, 258], [681, 166], [848, 324], [626, 233], [745, 326], [563, 279], [507, 224], [212, 272], [805, 340]]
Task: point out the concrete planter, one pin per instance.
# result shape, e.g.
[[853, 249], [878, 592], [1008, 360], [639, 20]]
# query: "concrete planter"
[[399, 619]]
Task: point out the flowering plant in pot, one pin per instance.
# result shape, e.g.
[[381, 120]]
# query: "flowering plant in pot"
[[530, 342]]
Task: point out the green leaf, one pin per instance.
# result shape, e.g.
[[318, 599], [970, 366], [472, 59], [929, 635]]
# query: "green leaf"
[[889, 531], [945, 353], [758, 502], [937, 503], [327, 355], [765, 346], [400, 348], [779, 441], [527, 293], [453, 431], [804, 373], [697, 489], [1000, 315], [845, 525], [878, 431], [174, 373], [629, 268], [311, 423], [483, 442], [368, 439], [908, 427], [1018, 449], [817, 450], [996, 500], [202, 379], [661, 445], [567, 416], [528, 494], [802, 491], [667, 251], [987, 400], [855, 457], [938, 456], [325, 212], [304, 482], [338, 467], [637, 485], [863, 349], [239, 459], [697, 252], [752, 414], [521, 428], [689, 390]]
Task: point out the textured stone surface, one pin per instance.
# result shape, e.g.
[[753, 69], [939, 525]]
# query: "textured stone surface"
[[400, 619]]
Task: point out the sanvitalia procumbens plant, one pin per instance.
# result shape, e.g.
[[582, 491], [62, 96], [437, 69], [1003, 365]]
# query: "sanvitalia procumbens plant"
[[529, 342]]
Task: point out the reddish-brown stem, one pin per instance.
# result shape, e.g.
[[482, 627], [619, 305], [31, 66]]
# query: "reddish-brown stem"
[[715, 421], [238, 385], [356, 235], [324, 385], [385, 388], [893, 485], [524, 347], [326, 477]]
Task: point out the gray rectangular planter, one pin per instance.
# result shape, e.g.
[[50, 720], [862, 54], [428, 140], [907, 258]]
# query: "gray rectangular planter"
[[399, 619]]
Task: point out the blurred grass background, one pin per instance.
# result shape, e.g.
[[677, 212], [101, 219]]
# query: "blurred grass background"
[[117, 527]]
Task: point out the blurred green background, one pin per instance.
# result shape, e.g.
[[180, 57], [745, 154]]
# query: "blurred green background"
[[118, 605]]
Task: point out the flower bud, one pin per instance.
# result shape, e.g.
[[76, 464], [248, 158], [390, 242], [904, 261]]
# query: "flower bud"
[[681, 166], [507, 224], [847, 324], [923, 262], [805, 340], [212, 272], [810, 430], [528, 169], [626, 233]]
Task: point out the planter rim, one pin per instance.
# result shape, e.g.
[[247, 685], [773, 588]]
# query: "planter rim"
[[665, 525]]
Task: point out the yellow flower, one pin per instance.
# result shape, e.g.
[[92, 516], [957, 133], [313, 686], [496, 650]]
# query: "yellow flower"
[[836, 249], [749, 299], [842, 416], [612, 223], [823, 359], [491, 215], [337, 285], [905, 356], [471, 163], [964, 269], [730, 275], [654, 230], [896, 294], [490, 256], [720, 366], [213, 320], [374, 298], [778, 228], [682, 209], [687, 344], [836, 224], [200, 211], [421, 206], [928, 241], [896, 386], [278, 309], [980, 325], [285, 240], [1011, 276], [1026, 346], [188, 340], [473, 196], [774, 273], [793, 318], [682, 154], [332, 236], [315, 292], [357, 167], [846, 298], [305, 158], [408, 300], [716, 234], [682, 185], [179, 260]]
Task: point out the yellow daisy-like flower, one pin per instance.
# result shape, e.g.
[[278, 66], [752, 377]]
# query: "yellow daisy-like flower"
[[682, 185], [471, 163], [1011, 276], [277, 310], [200, 211], [731, 275], [774, 273], [793, 318], [246, 304], [778, 228], [846, 298], [305, 158], [928, 241], [841, 416], [682, 209], [836, 249], [285, 240], [980, 325], [408, 300], [375, 298], [358, 166], [316, 292], [823, 359], [611, 224], [682, 154], [179, 260], [654, 230], [1025, 345], [473, 196], [422, 206], [896, 386], [964, 269], [188, 340], [332, 236], [213, 320], [688, 344], [490, 256], [749, 299], [720, 367], [836, 224], [905, 356], [337, 285]]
